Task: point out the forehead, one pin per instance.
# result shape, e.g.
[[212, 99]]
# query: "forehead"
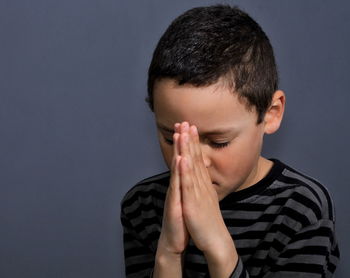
[[210, 108]]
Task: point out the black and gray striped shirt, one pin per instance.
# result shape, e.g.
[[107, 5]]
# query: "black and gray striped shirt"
[[283, 226]]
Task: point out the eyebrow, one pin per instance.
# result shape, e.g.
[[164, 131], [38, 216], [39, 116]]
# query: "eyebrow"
[[219, 131]]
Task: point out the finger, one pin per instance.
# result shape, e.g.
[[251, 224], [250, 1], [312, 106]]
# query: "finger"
[[194, 145], [177, 127], [174, 193], [185, 178], [188, 179], [184, 143], [174, 178], [174, 168], [177, 162], [176, 144], [184, 137], [184, 127], [195, 156], [196, 150]]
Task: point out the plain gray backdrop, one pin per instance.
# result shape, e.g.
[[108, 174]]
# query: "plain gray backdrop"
[[76, 134]]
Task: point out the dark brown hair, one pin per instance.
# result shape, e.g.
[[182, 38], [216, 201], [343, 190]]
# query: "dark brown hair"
[[208, 43]]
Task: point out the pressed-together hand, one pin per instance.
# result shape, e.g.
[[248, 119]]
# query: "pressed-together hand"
[[192, 207], [200, 202], [200, 206]]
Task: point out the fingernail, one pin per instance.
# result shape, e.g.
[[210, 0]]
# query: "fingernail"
[[194, 129], [185, 126]]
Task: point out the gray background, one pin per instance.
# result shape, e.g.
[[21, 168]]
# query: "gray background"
[[76, 134]]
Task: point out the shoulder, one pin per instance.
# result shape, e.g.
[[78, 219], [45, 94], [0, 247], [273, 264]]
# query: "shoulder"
[[306, 198], [146, 191]]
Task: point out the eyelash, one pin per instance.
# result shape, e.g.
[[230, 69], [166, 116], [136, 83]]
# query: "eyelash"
[[213, 144], [219, 145]]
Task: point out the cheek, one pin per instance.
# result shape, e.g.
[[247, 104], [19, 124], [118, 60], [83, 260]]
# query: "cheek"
[[226, 161], [251, 142], [238, 159]]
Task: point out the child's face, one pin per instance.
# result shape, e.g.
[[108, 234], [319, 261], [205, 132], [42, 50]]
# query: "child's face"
[[230, 139]]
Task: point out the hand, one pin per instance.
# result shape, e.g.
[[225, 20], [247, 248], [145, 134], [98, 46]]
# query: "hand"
[[174, 235], [200, 201], [200, 206]]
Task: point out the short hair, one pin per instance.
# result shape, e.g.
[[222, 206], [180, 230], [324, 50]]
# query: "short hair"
[[208, 43]]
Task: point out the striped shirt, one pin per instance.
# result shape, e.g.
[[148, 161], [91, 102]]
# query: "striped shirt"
[[282, 226]]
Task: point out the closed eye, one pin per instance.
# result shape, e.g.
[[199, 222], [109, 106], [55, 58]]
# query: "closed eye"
[[215, 145], [219, 145]]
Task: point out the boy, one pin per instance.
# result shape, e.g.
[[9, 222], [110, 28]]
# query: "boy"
[[222, 210]]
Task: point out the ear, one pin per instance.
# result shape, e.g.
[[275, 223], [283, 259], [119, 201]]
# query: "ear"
[[274, 114]]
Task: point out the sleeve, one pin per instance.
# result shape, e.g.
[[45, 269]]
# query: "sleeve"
[[312, 252], [239, 271], [138, 258]]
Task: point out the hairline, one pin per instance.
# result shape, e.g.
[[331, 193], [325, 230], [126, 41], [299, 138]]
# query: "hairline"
[[224, 80]]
